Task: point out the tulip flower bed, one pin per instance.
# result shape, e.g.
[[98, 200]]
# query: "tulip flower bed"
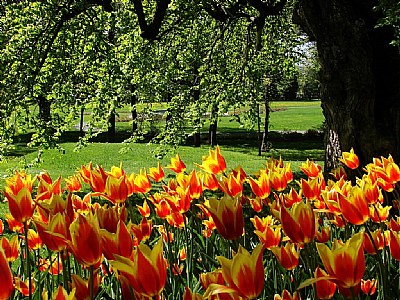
[[207, 233]]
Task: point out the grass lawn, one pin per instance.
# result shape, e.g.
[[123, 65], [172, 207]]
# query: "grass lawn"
[[238, 146]]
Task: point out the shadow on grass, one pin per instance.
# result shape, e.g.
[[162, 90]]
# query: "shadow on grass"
[[293, 145]]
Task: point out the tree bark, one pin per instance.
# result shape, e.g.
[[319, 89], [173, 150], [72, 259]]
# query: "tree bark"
[[44, 109], [212, 132], [360, 78]]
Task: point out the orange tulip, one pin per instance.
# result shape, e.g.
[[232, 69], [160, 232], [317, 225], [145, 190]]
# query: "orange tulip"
[[349, 159], [299, 223], [142, 231], [177, 165], [85, 240], [116, 189], [369, 286], [147, 273], [288, 255], [311, 169], [96, 178], [287, 296], [23, 286], [231, 185], [110, 216], [214, 163], [311, 188], [354, 207], [339, 173], [1, 226], [244, 274], [278, 179], [81, 286], [210, 182], [261, 186], [324, 235], [20, 205], [206, 279], [376, 244], [34, 241], [227, 215], [344, 263], [14, 225], [394, 245], [120, 243], [379, 213], [144, 210], [6, 278], [10, 248], [325, 288], [62, 294], [270, 237], [195, 186], [55, 234], [140, 182], [189, 295], [157, 174]]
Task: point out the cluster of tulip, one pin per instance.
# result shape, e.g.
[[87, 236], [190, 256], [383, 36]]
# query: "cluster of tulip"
[[207, 234]]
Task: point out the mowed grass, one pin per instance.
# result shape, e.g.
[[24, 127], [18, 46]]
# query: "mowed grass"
[[237, 146]]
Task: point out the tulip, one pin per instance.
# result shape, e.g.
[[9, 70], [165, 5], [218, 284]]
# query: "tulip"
[[20, 205], [311, 169], [189, 295], [195, 186], [214, 163], [278, 179], [85, 240], [34, 241], [73, 183], [210, 182], [244, 273], [260, 187], [349, 159], [288, 255], [344, 263], [215, 277], [140, 183], [157, 174], [6, 278], [325, 288], [299, 223], [96, 178], [227, 215], [147, 273], [120, 243], [25, 288], [143, 230], [369, 286], [354, 207], [62, 294], [1, 226], [177, 165], [144, 210], [394, 245], [287, 296], [82, 286], [231, 185], [116, 189], [10, 248], [270, 237], [379, 213], [110, 216], [55, 234]]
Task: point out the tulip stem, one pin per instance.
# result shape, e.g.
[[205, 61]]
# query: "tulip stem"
[[91, 282], [28, 261]]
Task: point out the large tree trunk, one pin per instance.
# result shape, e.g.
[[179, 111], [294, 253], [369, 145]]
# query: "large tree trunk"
[[359, 78]]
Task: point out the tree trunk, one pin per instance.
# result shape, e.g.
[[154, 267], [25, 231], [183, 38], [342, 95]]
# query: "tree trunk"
[[44, 109], [360, 78], [212, 132], [81, 123], [134, 111], [111, 127]]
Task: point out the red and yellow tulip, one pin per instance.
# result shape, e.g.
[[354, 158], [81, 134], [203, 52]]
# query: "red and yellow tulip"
[[147, 273], [344, 263], [227, 214]]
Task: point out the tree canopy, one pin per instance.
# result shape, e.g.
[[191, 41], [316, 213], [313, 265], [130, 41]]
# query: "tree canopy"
[[59, 58]]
